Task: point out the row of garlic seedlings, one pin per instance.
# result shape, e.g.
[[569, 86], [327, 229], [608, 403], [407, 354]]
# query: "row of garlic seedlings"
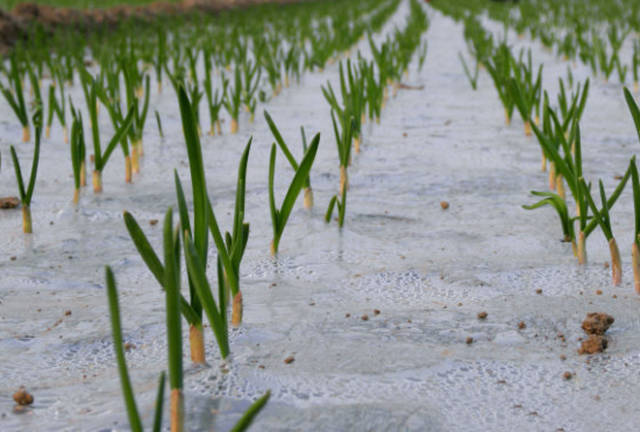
[[572, 30], [557, 130], [364, 90], [264, 44], [194, 234]]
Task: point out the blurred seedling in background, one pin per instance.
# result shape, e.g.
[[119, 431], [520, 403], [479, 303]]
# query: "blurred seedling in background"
[[280, 216], [472, 77], [26, 194], [308, 192], [14, 96]]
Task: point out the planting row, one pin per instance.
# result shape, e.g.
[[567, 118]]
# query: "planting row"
[[229, 62], [259, 55], [593, 32], [363, 89], [557, 128]]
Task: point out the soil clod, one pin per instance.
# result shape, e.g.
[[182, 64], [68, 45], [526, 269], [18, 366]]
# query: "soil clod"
[[594, 344], [469, 340], [567, 375], [444, 205], [23, 397], [410, 87], [289, 360], [597, 323], [482, 315], [9, 203]]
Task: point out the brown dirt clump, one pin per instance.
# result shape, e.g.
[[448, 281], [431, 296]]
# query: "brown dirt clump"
[[8, 202], [23, 397], [593, 344], [482, 315], [597, 323]]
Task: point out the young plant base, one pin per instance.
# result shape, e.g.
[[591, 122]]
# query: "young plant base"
[[176, 410], [582, 248], [127, 169], [196, 344], [616, 265], [236, 310], [344, 179], [97, 182], [26, 220], [26, 134], [135, 162], [635, 260], [308, 198], [560, 187]]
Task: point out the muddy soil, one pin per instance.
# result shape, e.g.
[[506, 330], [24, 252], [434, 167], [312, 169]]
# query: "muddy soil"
[[15, 25]]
